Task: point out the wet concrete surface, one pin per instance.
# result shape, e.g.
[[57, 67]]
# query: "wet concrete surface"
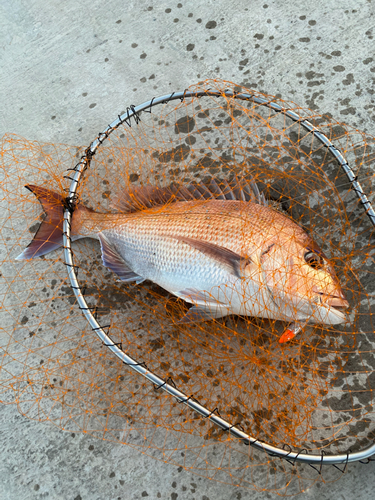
[[69, 69]]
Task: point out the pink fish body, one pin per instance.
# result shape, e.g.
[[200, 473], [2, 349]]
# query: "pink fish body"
[[219, 248]]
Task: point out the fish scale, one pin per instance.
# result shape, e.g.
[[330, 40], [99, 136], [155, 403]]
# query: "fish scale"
[[231, 224]]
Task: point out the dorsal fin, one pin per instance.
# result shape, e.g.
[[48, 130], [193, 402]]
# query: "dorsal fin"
[[139, 198]]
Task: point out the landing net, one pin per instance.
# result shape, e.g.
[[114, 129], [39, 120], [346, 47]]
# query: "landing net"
[[263, 407]]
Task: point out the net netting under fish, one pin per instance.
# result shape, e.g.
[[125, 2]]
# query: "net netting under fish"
[[313, 394]]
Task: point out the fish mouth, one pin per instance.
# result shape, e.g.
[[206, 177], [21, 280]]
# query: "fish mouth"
[[334, 301]]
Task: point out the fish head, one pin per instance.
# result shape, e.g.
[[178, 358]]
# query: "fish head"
[[302, 281]]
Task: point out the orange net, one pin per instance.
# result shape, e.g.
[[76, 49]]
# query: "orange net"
[[313, 393]]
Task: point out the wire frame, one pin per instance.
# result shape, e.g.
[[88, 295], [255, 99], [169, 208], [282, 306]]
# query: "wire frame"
[[221, 129]]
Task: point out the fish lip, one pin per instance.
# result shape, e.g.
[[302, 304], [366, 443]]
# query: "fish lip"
[[335, 301], [338, 311]]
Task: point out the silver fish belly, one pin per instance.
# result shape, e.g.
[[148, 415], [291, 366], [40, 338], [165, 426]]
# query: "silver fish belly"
[[193, 276]]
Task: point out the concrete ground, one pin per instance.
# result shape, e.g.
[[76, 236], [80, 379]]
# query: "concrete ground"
[[68, 68]]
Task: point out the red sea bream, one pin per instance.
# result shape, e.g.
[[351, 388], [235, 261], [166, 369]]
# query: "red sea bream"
[[219, 247]]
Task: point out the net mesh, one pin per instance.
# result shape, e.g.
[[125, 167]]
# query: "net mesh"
[[313, 393]]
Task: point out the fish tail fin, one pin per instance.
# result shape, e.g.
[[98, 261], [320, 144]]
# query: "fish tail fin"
[[49, 236]]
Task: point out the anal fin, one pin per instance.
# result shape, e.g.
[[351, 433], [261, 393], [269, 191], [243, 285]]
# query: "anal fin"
[[197, 314], [113, 260], [205, 308], [197, 297]]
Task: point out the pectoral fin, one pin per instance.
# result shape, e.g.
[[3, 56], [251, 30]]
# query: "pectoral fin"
[[235, 262], [113, 260]]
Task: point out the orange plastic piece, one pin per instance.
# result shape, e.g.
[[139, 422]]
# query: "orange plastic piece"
[[286, 336]]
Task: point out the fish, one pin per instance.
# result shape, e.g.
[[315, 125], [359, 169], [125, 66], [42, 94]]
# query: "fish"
[[219, 246]]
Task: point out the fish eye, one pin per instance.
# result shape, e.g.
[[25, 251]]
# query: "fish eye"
[[314, 260]]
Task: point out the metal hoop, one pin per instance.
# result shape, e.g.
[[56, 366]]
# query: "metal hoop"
[[133, 113]]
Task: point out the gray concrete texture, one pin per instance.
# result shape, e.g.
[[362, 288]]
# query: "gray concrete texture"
[[68, 68]]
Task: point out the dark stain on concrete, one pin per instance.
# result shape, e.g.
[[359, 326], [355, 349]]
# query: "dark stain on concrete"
[[184, 125], [349, 79], [177, 154], [133, 177], [33, 229]]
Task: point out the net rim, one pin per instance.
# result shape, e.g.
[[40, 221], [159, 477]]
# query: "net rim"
[[132, 113]]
